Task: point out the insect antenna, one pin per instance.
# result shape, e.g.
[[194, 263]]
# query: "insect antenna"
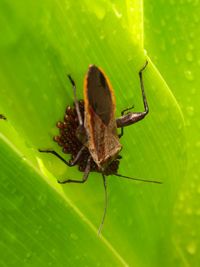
[[137, 179], [105, 206]]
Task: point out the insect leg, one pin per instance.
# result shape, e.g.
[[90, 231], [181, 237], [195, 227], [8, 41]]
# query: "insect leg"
[[106, 204], [122, 114], [2, 117], [76, 101], [134, 117], [146, 107], [68, 163], [85, 175]]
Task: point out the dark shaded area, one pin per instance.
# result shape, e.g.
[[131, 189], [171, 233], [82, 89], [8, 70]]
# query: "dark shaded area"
[[2, 117], [98, 93]]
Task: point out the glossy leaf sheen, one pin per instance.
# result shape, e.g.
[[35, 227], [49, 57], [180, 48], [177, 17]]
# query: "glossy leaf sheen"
[[47, 224], [177, 56]]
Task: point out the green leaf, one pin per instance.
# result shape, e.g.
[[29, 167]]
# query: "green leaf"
[[40, 224], [40, 44], [172, 39]]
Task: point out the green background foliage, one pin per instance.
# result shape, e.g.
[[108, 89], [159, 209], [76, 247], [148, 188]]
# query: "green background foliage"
[[46, 224]]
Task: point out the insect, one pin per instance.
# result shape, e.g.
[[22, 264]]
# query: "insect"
[[89, 130], [2, 117]]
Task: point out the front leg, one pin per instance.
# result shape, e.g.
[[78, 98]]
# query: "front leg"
[[134, 117], [76, 101], [122, 114]]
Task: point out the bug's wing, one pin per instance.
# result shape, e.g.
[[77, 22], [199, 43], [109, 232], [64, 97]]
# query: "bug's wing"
[[98, 94], [100, 124]]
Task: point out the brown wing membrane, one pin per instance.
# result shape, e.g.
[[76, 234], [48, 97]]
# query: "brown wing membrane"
[[100, 123], [98, 93]]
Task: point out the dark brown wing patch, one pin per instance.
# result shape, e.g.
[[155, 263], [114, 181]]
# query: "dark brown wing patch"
[[103, 142], [98, 93]]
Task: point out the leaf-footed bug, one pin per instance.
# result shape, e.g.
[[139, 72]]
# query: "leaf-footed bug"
[[89, 131]]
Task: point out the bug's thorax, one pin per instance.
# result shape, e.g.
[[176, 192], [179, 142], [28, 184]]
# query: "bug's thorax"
[[99, 120]]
